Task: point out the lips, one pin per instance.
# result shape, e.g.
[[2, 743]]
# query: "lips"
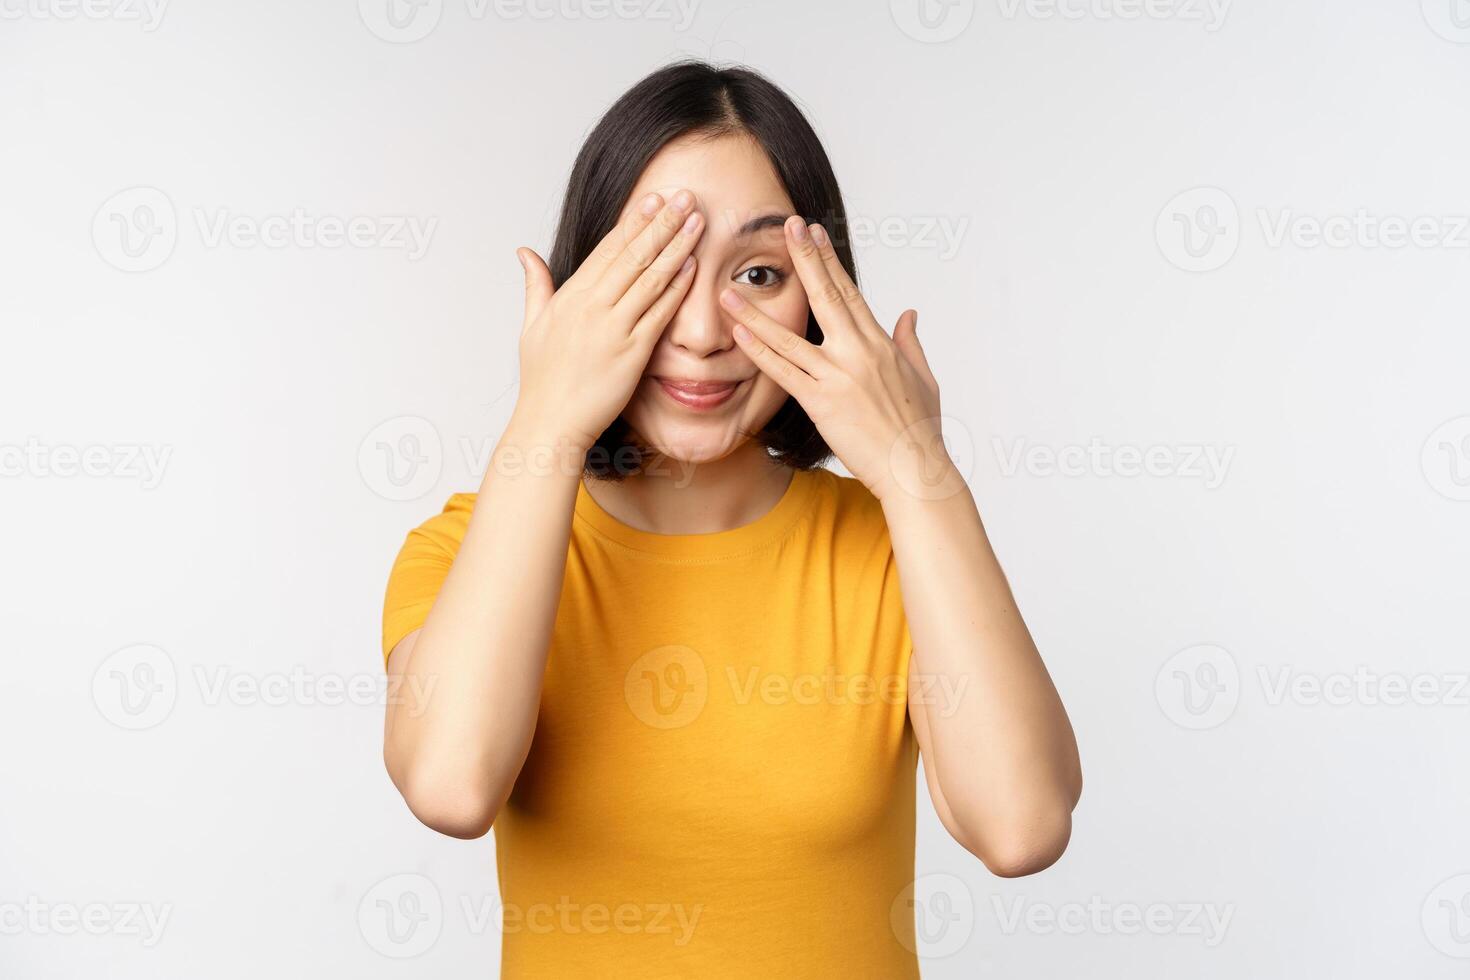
[[698, 395]]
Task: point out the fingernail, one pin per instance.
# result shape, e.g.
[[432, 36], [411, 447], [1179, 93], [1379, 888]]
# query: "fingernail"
[[522, 260], [798, 230], [819, 235], [650, 204], [741, 331], [688, 264], [732, 300], [683, 199], [691, 223]]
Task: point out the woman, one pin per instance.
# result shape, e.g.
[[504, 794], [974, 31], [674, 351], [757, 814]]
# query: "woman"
[[667, 656]]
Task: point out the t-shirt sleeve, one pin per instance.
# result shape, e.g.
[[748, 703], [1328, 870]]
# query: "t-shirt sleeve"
[[420, 568], [869, 597], [893, 611]]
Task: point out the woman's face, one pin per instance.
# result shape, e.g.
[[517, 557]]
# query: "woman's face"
[[700, 396]]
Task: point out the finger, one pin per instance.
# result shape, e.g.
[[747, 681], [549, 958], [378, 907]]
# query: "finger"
[[791, 378], [651, 324], [852, 297], [654, 280], [906, 338], [538, 285], [644, 248], [613, 243], [791, 346], [825, 298]]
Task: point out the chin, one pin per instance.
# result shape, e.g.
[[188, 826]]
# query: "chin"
[[685, 440], [690, 447]]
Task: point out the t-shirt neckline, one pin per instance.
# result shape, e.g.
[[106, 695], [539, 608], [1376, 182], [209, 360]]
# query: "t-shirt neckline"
[[767, 529]]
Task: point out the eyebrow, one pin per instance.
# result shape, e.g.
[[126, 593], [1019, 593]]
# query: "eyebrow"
[[761, 223]]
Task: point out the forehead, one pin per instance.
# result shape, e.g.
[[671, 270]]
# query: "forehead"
[[730, 176]]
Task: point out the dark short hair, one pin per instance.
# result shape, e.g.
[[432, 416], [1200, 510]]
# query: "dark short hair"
[[689, 97]]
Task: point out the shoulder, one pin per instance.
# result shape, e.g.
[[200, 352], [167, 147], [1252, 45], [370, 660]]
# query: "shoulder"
[[422, 563], [446, 529], [850, 507], [863, 568], [848, 494]]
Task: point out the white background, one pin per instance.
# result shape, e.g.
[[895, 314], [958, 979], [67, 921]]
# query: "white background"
[[1064, 309]]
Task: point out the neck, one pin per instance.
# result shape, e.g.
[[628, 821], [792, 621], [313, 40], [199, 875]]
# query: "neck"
[[673, 496]]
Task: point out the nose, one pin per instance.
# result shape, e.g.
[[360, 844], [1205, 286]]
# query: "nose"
[[700, 326]]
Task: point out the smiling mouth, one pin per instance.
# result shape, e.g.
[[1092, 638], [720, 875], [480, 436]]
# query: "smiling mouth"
[[698, 395]]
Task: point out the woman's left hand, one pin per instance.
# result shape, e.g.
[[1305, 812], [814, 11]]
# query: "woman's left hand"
[[1001, 761], [871, 396]]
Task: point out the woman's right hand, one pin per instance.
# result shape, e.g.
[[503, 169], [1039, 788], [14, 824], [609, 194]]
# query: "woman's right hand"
[[584, 347]]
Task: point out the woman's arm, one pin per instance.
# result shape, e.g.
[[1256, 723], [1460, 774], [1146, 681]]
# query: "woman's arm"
[[1000, 756], [999, 753], [476, 665], [455, 747]]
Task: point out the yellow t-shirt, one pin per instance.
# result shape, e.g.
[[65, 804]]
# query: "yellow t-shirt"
[[721, 782]]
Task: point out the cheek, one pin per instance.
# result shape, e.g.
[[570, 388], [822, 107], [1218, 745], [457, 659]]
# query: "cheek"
[[791, 310], [788, 309], [787, 306]]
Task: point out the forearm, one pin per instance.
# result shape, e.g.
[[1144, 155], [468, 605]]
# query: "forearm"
[[480, 656], [1001, 747]]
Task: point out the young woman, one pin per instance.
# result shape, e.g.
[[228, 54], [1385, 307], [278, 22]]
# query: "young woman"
[[665, 651]]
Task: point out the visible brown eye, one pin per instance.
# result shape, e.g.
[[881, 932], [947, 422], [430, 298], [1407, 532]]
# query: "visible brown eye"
[[760, 276]]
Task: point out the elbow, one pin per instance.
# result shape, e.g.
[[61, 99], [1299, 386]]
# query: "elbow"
[[447, 813], [447, 803], [1024, 855], [1021, 845]]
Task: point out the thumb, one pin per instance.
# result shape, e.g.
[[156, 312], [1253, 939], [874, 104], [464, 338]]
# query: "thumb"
[[538, 285], [906, 336]]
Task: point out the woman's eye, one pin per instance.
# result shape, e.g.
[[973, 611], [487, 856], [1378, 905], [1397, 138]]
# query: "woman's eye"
[[760, 276]]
